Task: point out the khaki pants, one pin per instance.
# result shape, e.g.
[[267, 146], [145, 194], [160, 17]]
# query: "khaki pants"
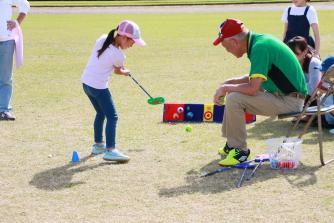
[[263, 103]]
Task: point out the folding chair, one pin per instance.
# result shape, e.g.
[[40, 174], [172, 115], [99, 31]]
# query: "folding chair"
[[324, 89]]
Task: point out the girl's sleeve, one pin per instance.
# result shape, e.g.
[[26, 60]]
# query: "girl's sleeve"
[[119, 60], [314, 75], [284, 17], [312, 16]]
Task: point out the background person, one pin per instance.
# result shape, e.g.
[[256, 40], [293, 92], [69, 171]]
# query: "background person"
[[107, 57], [7, 46], [275, 85], [309, 62], [297, 22], [327, 119]]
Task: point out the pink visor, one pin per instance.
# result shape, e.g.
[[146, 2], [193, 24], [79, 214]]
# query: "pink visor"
[[131, 30]]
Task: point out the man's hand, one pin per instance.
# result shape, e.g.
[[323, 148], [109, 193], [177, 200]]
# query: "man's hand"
[[249, 88], [11, 24], [220, 92]]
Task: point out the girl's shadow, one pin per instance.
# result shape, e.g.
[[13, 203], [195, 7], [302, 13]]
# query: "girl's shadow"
[[61, 177]]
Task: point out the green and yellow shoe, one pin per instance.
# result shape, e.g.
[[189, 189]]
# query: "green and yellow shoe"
[[235, 156], [224, 150]]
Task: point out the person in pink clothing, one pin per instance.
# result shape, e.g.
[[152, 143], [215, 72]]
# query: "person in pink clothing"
[[7, 45]]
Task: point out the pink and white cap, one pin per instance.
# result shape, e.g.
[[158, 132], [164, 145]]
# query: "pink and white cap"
[[131, 30]]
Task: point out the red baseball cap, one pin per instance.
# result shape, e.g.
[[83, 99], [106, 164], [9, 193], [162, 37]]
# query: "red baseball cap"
[[229, 28]]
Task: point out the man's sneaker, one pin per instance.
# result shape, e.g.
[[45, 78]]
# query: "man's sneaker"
[[98, 149], [7, 116], [224, 150], [235, 156], [115, 155]]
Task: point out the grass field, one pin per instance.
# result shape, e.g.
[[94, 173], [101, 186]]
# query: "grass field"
[[161, 182], [150, 2]]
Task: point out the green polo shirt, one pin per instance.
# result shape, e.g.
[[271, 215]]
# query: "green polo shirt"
[[273, 61]]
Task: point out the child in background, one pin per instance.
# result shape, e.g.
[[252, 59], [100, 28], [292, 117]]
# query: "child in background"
[[328, 118], [107, 57], [308, 61], [297, 22], [310, 64]]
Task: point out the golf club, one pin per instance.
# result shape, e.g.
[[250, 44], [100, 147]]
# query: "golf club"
[[245, 165], [151, 100]]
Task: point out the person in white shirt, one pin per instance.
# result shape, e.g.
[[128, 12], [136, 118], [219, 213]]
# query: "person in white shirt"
[[310, 64], [308, 61], [297, 22], [7, 45], [107, 58], [328, 118]]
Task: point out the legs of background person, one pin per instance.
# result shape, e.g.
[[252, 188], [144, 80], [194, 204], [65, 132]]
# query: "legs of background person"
[[6, 74]]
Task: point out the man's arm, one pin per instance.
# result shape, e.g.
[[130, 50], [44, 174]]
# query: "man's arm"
[[250, 88], [238, 80]]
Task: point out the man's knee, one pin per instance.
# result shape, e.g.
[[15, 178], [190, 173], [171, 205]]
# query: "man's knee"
[[233, 99]]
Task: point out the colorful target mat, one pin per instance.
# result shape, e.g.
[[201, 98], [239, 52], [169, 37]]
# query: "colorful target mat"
[[197, 113]]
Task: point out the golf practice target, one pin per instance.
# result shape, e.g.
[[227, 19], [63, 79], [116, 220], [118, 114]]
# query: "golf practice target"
[[208, 112], [208, 115], [179, 109], [190, 115], [175, 112]]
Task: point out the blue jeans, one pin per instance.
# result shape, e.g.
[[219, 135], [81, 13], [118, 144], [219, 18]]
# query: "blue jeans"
[[6, 74], [103, 104]]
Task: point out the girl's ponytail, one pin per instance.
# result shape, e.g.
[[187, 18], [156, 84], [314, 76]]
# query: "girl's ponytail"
[[110, 39]]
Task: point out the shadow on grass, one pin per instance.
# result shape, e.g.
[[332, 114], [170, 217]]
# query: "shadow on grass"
[[279, 128], [61, 177], [301, 177], [270, 128], [225, 181]]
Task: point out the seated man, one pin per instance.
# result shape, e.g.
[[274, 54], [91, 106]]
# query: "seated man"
[[275, 85]]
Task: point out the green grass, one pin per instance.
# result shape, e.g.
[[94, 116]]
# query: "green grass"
[[149, 2], [160, 183]]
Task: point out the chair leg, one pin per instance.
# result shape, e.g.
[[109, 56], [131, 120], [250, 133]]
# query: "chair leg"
[[307, 126], [320, 139]]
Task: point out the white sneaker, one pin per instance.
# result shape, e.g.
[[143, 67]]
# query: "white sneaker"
[[98, 149], [115, 155]]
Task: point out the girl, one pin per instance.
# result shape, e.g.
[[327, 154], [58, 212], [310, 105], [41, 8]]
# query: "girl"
[[313, 69], [107, 57], [308, 61], [297, 22]]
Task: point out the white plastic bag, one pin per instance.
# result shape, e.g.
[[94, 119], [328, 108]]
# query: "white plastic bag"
[[284, 153]]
